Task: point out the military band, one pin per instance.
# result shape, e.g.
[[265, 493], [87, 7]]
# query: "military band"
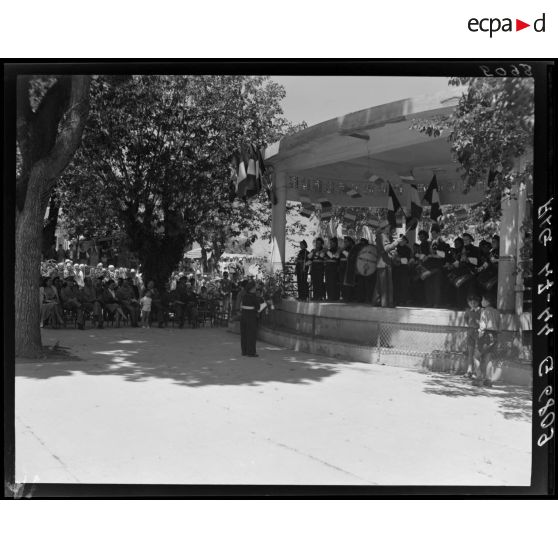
[[389, 272]]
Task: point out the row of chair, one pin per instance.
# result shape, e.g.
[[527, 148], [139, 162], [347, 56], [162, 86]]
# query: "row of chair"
[[208, 314]]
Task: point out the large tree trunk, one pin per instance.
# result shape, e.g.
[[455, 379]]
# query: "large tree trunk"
[[48, 140], [159, 258], [29, 228]]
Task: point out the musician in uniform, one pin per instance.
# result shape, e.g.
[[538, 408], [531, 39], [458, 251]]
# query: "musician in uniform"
[[332, 270], [346, 290], [435, 284], [401, 270], [422, 249], [466, 270], [383, 291], [249, 309], [487, 278], [316, 258], [364, 285], [301, 269]]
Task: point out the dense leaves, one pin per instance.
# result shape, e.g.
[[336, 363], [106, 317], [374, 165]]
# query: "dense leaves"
[[155, 161]]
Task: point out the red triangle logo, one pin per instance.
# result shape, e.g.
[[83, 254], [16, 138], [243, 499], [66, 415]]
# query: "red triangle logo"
[[519, 25]]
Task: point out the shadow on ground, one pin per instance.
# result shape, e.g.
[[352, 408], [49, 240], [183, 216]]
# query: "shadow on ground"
[[197, 358], [186, 364], [514, 401]]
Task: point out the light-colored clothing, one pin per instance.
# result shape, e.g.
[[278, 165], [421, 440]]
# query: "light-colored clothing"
[[489, 319], [146, 304]]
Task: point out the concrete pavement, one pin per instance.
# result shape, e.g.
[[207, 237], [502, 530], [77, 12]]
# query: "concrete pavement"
[[183, 407]]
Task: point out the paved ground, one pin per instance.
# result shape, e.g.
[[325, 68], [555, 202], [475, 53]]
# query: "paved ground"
[[181, 406]]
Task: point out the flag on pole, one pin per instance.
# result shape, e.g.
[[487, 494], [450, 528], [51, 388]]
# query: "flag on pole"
[[393, 206], [432, 196], [248, 169], [415, 210]]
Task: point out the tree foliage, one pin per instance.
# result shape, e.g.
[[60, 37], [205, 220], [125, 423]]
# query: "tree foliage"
[[155, 161]]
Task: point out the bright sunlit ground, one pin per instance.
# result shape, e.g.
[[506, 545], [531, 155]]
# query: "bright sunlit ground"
[[183, 407]]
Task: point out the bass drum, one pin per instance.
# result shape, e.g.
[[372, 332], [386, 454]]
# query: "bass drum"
[[367, 258]]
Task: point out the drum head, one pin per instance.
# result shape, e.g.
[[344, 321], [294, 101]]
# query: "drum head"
[[366, 260]]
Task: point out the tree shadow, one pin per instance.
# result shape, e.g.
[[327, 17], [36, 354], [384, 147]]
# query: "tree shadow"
[[136, 364], [514, 402]]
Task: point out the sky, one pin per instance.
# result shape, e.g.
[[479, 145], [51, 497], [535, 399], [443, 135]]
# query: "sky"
[[318, 98]]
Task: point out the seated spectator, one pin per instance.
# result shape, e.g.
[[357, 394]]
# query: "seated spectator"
[[110, 301], [90, 302], [129, 304], [50, 303], [70, 300]]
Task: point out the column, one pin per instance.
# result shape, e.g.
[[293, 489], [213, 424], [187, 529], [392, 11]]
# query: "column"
[[279, 221], [508, 251], [519, 286]]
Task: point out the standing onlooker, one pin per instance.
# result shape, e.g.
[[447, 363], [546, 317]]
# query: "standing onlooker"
[[145, 308], [489, 326], [301, 270], [316, 257], [472, 321]]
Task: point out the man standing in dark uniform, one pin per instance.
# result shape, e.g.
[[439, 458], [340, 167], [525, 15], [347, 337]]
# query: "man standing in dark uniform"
[[401, 273], [249, 309], [301, 269], [435, 285], [317, 270], [332, 270], [346, 290]]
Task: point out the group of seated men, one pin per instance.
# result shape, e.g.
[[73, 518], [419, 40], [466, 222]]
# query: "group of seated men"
[[102, 297], [429, 274]]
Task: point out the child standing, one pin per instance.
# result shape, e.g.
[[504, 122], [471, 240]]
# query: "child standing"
[[145, 303], [489, 326], [472, 320]]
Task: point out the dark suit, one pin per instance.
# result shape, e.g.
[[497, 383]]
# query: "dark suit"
[[250, 305]]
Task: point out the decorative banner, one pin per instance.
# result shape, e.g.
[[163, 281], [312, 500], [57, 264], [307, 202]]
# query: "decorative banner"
[[373, 222], [433, 199], [349, 217]]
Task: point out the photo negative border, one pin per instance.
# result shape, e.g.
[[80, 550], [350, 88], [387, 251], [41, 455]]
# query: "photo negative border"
[[544, 394]]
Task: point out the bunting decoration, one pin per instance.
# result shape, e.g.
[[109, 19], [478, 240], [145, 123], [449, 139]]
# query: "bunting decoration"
[[432, 196], [393, 206]]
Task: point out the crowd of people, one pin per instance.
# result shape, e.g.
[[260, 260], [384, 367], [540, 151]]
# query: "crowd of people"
[[430, 274], [75, 292]]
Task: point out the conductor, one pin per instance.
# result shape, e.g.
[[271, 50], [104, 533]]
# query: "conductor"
[[249, 310]]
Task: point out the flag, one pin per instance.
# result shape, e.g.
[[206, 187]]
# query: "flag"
[[248, 169], [325, 203], [433, 198], [415, 211], [393, 206]]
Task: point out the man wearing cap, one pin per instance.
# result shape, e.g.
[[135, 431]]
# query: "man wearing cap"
[[316, 258], [402, 260], [249, 309], [436, 289], [301, 270], [346, 290], [383, 292], [332, 270]]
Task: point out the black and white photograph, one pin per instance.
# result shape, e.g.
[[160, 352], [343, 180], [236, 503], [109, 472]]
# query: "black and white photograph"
[[276, 277]]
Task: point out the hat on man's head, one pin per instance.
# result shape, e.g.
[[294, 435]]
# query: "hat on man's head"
[[304, 243], [468, 235], [100, 264], [111, 267]]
